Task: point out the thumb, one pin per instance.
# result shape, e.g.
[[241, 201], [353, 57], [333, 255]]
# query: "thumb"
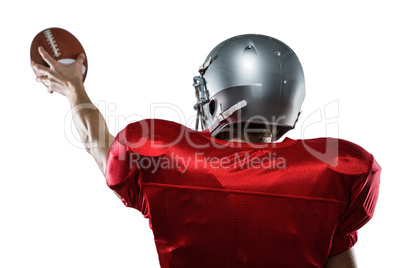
[[81, 58]]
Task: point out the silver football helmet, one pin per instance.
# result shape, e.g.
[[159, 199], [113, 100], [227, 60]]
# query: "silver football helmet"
[[252, 79]]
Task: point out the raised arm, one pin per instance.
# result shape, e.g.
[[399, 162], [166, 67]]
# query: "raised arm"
[[66, 79]]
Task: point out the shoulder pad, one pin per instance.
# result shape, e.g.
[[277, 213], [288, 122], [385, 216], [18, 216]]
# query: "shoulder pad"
[[152, 137], [341, 155]]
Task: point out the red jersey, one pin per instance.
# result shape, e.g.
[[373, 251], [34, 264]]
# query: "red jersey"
[[213, 203]]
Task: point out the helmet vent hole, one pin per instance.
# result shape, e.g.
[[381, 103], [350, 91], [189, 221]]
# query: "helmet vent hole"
[[212, 107], [249, 47]]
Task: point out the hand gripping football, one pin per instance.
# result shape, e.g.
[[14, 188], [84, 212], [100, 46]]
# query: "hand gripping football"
[[61, 45]]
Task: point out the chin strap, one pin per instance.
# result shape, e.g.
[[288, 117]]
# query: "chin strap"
[[202, 96], [216, 125], [224, 115]]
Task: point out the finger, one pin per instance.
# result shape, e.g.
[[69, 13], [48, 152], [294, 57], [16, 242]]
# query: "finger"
[[46, 57], [44, 80], [81, 58], [40, 68], [47, 82]]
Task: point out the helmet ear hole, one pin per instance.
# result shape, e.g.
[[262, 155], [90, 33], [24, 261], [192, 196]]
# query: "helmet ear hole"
[[212, 107]]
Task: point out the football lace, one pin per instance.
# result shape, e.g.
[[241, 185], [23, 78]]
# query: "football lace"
[[52, 43]]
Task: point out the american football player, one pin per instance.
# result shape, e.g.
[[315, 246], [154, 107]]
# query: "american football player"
[[235, 193]]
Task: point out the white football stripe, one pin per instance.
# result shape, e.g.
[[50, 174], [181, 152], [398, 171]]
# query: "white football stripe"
[[69, 61]]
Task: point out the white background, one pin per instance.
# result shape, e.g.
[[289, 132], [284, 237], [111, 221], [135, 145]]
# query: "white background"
[[55, 208]]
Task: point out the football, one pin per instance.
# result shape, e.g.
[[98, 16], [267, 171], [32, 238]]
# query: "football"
[[61, 45]]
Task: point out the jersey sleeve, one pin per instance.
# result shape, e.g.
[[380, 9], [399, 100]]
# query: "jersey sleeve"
[[142, 139], [123, 176], [362, 201]]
